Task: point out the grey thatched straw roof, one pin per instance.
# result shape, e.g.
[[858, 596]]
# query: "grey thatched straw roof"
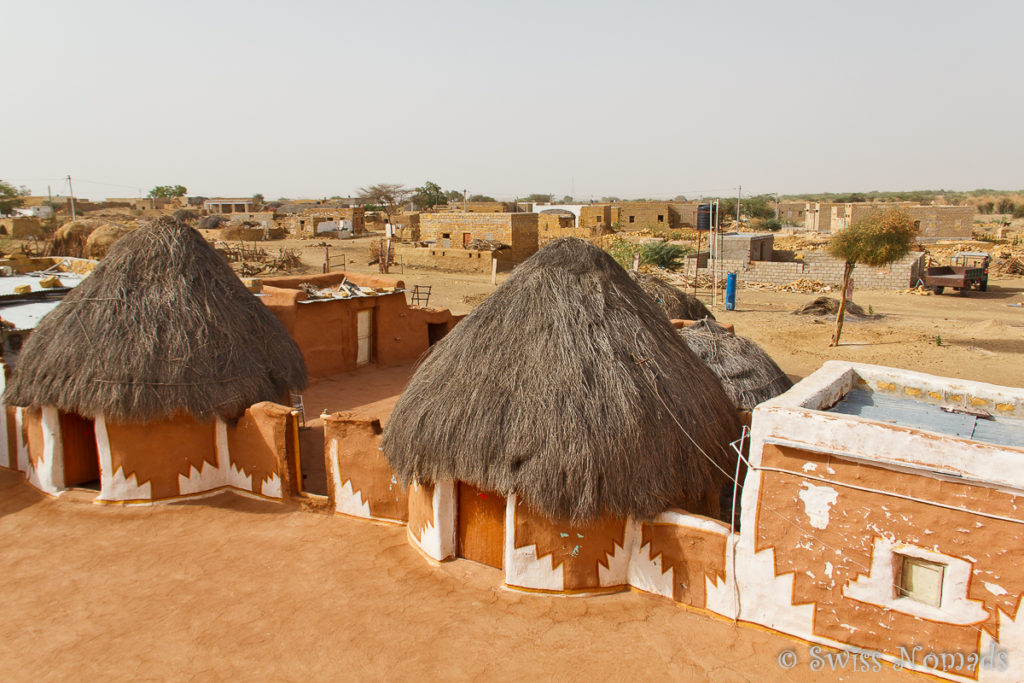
[[748, 374], [676, 303], [161, 327], [570, 388]]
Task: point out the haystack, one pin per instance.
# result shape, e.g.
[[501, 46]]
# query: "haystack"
[[161, 328], [71, 238], [569, 388], [747, 373], [98, 244], [676, 303], [826, 305]]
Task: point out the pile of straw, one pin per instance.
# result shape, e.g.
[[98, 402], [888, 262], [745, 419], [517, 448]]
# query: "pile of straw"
[[747, 373], [161, 327], [569, 387]]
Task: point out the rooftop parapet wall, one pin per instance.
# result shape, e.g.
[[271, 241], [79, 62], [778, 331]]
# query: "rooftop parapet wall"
[[799, 419]]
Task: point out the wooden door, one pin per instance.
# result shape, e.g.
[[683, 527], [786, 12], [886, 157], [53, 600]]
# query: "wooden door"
[[81, 459], [467, 237], [481, 525], [364, 333]]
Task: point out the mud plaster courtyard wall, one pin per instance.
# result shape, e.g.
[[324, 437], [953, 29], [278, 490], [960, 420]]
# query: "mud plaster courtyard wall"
[[360, 482]]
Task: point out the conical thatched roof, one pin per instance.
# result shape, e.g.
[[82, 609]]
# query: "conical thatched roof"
[[676, 303], [102, 238], [161, 327], [748, 374], [565, 387]]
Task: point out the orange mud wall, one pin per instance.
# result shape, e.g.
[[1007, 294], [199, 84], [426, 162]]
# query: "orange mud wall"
[[579, 550], [261, 445], [12, 437], [421, 509], [159, 452], [32, 425], [326, 331], [183, 456], [359, 480], [676, 558], [858, 520]]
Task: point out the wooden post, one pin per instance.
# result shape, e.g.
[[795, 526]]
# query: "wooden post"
[[636, 261], [327, 258], [494, 270]]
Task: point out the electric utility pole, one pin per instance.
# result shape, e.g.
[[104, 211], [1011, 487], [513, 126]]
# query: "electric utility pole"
[[739, 194], [71, 191]]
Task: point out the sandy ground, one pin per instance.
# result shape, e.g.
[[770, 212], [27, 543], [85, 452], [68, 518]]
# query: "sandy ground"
[[232, 588]]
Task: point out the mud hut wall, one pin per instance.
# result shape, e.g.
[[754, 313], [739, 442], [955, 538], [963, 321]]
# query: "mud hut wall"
[[679, 554], [11, 433], [360, 482], [258, 448], [40, 452], [848, 597], [156, 460], [183, 456], [433, 518], [555, 556]]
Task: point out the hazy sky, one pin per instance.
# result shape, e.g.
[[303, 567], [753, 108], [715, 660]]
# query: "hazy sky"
[[310, 98]]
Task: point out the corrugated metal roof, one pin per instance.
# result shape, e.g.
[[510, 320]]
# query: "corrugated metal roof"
[[906, 412]]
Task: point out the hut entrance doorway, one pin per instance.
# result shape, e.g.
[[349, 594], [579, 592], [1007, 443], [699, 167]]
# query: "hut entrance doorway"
[[481, 525], [364, 329], [467, 237], [81, 457]]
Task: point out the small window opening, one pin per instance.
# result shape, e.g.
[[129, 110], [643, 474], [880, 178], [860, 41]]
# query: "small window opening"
[[919, 580]]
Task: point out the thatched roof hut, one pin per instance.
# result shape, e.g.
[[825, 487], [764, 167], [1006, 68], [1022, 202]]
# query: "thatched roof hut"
[[70, 238], [162, 327], [676, 303], [748, 374], [571, 389], [99, 241]]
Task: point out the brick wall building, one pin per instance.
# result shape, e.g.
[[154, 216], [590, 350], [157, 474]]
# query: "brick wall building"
[[822, 268], [451, 230], [305, 222], [595, 216]]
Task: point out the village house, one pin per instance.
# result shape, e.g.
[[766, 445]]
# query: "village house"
[[220, 205], [935, 222], [467, 242], [881, 511], [314, 219], [145, 383]]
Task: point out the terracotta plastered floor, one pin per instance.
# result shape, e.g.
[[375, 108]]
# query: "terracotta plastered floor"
[[234, 588]]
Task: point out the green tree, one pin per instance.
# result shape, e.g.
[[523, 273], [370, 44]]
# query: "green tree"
[[538, 198], [1006, 205], [453, 196], [388, 196], [876, 240], [481, 198], [429, 195], [257, 199], [10, 197], [167, 191], [663, 255]]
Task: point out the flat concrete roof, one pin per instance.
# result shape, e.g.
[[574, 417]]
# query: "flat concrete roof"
[[908, 412]]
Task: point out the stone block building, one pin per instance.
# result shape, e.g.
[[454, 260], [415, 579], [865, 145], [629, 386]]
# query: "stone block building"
[[453, 231]]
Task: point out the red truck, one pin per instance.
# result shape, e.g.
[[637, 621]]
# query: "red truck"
[[969, 270]]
